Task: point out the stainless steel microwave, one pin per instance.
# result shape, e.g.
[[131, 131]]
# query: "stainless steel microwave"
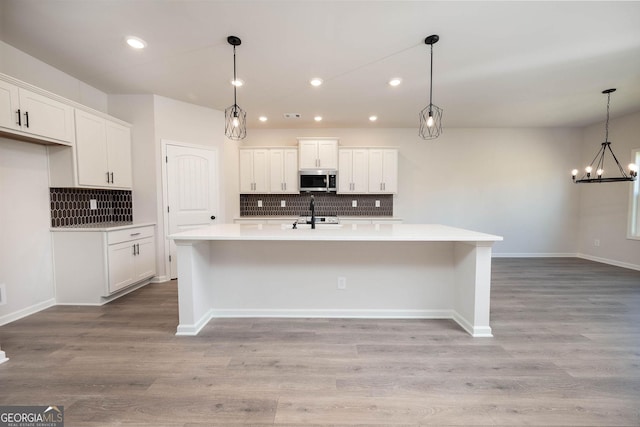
[[325, 180]]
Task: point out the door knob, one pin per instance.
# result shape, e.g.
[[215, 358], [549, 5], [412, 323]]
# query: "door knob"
[[213, 217]]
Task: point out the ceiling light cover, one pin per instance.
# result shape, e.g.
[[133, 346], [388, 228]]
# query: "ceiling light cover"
[[431, 115], [136, 42], [373, 118], [600, 164], [316, 81], [263, 118], [395, 81], [235, 118], [318, 118]]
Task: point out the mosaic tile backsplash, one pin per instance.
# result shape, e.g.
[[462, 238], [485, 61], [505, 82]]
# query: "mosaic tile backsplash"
[[71, 206], [326, 204]]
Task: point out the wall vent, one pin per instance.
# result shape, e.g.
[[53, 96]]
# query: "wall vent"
[[292, 115]]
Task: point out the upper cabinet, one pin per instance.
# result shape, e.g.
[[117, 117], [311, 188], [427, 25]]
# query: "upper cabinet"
[[314, 153], [353, 171], [101, 157], [254, 171], [283, 168], [383, 170], [34, 116], [103, 151]]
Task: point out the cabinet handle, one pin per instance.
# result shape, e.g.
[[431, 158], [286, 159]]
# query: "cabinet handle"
[[107, 177], [285, 186], [112, 177], [26, 117], [138, 246], [134, 234], [19, 118], [134, 250]]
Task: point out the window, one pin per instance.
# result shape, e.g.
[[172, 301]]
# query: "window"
[[634, 202]]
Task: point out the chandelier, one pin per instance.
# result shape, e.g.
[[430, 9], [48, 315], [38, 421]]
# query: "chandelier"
[[598, 162], [235, 118]]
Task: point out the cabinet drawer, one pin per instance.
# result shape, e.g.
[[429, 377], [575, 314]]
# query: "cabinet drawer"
[[120, 236]]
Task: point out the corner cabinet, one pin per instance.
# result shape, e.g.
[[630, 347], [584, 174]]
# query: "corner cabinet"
[[94, 267], [383, 171], [33, 116], [101, 157], [315, 153]]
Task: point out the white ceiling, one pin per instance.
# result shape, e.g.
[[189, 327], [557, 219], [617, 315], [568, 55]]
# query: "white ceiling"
[[496, 64]]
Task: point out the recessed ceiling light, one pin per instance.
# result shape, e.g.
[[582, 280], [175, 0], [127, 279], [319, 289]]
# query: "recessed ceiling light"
[[318, 118], [136, 42], [373, 118], [262, 118], [237, 82], [316, 81], [395, 81]]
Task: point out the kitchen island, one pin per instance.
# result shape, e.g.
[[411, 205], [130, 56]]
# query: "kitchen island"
[[368, 271]]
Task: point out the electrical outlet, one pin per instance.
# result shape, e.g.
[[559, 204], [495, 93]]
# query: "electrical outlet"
[[596, 242], [283, 203], [354, 203], [342, 283], [259, 203], [93, 204], [377, 203], [3, 294]]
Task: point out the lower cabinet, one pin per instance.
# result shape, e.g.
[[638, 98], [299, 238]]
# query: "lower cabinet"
[[93, 267]]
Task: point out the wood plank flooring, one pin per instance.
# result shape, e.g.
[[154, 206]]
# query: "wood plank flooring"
[[566, 352]]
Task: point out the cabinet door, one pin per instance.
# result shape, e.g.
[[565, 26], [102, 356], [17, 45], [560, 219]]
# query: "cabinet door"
[[345, 171], [246, 171], [360, 171], [308, 154], [9, 105], [91, 149], [119, 154], [291, 171], [145, 259], [390, 171], [328, 154], [276, 171], [121, 265], [46, 117], [261, 171]]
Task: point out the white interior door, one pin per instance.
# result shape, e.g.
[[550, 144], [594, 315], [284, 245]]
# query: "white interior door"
[[192, 191]]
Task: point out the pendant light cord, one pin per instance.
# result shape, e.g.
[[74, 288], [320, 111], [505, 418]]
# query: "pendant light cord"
[[431, 81], [606, 126], [235, 80]]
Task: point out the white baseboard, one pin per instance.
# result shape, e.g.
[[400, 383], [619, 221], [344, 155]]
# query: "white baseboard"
[[476, 332], [12, 317], [3, 357], [609, 261], [534, 255], [160, 279]]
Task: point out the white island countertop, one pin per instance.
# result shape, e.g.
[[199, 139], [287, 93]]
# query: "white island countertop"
[[343, 232]]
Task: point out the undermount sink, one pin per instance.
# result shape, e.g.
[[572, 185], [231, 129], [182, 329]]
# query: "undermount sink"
[[308, 226]]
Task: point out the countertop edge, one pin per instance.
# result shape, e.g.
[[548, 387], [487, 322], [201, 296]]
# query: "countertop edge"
[[101, 227]]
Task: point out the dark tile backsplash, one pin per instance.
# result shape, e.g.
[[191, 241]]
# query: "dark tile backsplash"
[[71, 206], [326, 204]]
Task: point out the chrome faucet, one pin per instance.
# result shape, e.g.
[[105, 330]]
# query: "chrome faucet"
[[312, 206]]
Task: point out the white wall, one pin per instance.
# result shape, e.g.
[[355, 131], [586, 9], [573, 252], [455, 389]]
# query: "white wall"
[[18, 64], [604, 207], [25, 243], [510, 182]]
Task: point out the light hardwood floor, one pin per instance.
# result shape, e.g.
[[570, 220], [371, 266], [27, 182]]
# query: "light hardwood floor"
[[566, 351]]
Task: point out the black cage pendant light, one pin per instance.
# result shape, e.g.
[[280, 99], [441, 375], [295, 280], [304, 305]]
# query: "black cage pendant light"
[[431, 115], [235, 118], [605, 171]]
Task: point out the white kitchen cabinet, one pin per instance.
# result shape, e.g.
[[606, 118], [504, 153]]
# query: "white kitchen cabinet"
[[101, 157], [353, 170], [383, 171], [34, 116], [317, 153], [103, 153], [254, 171], [283, 167], [96, 266]]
